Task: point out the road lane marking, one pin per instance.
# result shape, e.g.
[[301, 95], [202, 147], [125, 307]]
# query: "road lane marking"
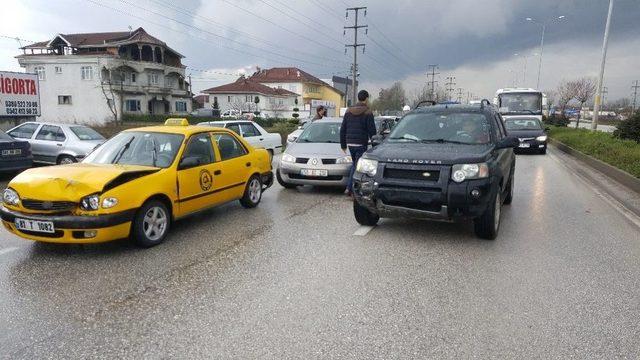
[[363, 230], [8, 250]]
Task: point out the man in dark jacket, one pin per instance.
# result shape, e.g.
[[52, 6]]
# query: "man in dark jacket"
[[357, 129]]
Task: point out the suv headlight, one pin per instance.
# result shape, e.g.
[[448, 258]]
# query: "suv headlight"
[[542, 138], [288, 158], [344, 160], [10, 197], [90, 203], [367, 166], [462, 172]]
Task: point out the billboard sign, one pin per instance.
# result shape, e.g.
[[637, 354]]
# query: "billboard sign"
[[19, 94]]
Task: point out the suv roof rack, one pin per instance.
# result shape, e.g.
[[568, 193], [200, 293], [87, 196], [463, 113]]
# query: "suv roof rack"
[[430, 102]]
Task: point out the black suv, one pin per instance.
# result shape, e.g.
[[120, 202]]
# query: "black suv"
[[441, 162]]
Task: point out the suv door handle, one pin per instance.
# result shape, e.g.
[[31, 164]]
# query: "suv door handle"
[[248, 164], [217, 172]]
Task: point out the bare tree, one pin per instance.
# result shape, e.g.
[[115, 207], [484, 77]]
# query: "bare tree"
[[565, 93], [107, 90], [552, 98], [277, 109], [238, 105], [584, 89]]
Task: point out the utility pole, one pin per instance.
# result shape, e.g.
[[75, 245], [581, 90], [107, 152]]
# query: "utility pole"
[[450, 86], [596, 104], [460, 95], [355, 45], [432, 84], [635, 88], [605, 91]]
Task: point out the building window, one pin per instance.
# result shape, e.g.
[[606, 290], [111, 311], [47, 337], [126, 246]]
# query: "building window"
[[154, 79], [133, 77], [228, 98], [293, 88], [280, 102], [87, 73], [40, 71], [312, 89], [58, 70], [132, 105], [64, 99], [247, 98], [181, 106]]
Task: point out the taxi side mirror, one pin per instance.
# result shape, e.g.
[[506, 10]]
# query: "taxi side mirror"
[[188, 162]]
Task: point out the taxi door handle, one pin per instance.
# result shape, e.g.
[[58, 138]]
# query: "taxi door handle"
[[248, 164], [217, 172]]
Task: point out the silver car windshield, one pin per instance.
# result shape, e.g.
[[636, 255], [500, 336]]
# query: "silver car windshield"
[[321, 132], [86, 133], [138, 148]]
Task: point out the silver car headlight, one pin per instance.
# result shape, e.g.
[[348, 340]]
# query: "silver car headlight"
[[462, 172], [542, 138], [90, 203], [288, 158], [10, 197], [367, 166], [344, 160]]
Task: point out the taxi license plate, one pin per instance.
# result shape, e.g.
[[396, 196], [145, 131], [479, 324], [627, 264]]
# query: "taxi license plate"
[[524, 145], [11, 152], [34, 225], [313, 172]]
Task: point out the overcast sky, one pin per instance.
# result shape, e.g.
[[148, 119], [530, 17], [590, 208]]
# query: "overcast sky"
[[473, 40]]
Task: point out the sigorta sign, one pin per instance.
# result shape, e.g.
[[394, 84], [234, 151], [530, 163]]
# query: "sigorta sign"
[[19, 94]]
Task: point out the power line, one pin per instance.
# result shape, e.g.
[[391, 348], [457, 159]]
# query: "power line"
[[432, 83], [450, 86], [356, 45], [460, 95], [635, 88]]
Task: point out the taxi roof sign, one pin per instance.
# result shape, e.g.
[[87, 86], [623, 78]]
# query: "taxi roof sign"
[[177, 122]]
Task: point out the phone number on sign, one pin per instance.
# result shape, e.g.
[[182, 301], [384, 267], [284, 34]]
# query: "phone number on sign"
[[21, 107]]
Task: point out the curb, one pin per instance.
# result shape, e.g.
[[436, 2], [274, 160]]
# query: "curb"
[[616, 174]]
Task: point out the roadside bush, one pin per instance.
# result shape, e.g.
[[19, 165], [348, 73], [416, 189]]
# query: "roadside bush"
[[557, 120], [629, 129], [623, 154]]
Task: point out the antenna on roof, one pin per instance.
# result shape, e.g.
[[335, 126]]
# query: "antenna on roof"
[[130, 30]]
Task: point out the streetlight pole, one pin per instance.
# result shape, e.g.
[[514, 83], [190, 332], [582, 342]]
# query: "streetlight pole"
[[605, 42], [544, 29]]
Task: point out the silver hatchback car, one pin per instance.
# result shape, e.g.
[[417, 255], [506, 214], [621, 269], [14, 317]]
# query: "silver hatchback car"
[[57, 143], [315, 158]]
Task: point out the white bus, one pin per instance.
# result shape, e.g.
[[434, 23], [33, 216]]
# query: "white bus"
[[521, 102]]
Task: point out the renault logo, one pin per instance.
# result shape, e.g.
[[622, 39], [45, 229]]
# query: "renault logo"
[[426, 174], [314, 161]]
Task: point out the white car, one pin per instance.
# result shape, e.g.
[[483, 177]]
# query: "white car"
[[291, 138], [252, 132]]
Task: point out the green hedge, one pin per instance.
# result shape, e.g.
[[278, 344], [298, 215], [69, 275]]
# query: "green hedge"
[[623, 154]]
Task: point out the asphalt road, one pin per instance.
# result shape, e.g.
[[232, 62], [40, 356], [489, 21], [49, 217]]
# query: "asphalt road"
[[291, 280]]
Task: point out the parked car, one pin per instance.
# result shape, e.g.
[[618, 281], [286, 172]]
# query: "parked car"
[[315, 158], [255, 135], [530, 132], [444, 162], [291, 138], [15, 155], [135, 185], [53, 143]]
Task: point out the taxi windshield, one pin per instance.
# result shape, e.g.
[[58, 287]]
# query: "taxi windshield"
[[138, 148], [443, 127]]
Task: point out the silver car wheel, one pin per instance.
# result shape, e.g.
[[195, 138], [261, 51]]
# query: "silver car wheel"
[[66, 160], [155, 223]]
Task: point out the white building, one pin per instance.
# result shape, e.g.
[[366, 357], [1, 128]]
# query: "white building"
[[91, 78], [239, 96]]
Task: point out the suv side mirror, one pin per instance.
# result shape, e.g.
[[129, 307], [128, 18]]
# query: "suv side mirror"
[[188, 162], [508, 142], [376, 140]]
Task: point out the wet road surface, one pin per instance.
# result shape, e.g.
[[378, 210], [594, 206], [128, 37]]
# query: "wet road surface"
[[291, 280]]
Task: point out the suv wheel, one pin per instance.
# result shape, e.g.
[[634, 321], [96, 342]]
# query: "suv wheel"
[[252, 193], [487, 225], [364, 216], [151, 224], [509, 198], [283, 183]]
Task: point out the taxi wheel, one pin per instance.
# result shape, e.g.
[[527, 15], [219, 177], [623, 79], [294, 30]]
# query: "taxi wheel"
[[151, 224], [252, 193]]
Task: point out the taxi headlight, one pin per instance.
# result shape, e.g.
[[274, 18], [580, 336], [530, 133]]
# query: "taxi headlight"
[[90, 203], [542, 138], [109, 202], [344, 160], [288, 158], [367, 166], [462, 172], [10, 197]]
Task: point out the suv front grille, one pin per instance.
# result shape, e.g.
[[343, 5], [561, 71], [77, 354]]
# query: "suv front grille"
[[421, 175], [48, 205]]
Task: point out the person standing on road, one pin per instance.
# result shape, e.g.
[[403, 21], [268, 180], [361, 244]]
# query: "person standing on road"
[[357, 129], [321, 112]]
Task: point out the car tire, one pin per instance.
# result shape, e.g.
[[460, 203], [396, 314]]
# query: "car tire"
[[364, 216], [66, 159], [488, 224], [543, 151], [509, 197], [283, 183], [151, 224], [252, 193]]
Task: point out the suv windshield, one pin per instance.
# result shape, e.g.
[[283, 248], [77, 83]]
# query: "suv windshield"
[[523, 124], [453, 127], [521, 103], [138, 148], [86, 133], [321, 132]]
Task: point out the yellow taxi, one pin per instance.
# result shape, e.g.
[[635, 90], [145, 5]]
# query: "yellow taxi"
[[135, 185]]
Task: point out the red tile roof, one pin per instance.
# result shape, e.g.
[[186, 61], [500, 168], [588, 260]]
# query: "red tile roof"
[[247, 86], [286, 74]]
